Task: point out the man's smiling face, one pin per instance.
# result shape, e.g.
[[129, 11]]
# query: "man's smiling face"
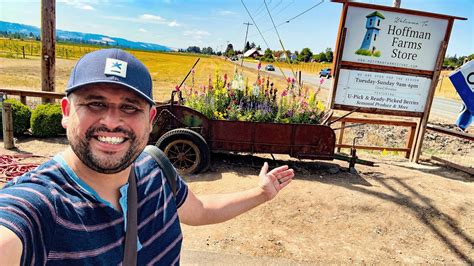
[[107, 126]]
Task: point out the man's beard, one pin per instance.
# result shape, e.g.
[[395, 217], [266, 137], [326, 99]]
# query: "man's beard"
[[105, 164]]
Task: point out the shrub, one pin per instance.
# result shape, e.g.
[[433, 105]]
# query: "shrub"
[[21, 117], [46, 121]]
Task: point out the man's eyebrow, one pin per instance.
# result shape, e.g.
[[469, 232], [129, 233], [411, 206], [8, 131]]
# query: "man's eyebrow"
[[100, 97], [94, 97], [133, 101]]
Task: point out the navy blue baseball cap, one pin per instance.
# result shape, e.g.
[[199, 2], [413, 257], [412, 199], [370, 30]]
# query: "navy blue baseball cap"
[[111, 66]]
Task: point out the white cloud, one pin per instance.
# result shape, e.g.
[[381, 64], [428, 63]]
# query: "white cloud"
[[226, 13], [142, 30], [147, 19], [152, 17], [78, 4], [174, 24], [196, 35]]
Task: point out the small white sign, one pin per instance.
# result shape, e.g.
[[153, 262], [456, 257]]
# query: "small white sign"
[[115, 67], [386, 38], [382, 91]]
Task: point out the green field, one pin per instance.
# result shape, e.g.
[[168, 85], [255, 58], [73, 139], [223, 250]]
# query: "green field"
[[20, 68]]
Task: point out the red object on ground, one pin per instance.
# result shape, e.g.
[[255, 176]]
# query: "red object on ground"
[[10, 167]]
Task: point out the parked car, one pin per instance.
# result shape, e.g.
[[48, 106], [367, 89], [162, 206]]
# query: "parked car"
[[325, 72], [270, 68], [234, 58]]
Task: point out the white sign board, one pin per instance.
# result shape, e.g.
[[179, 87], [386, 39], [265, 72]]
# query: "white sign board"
[[392, 39], [382, 91]]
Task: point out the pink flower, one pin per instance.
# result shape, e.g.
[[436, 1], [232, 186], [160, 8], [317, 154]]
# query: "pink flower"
[[225, 76], [288, 80], [176, 88], [284, 93], [259, 65], [321, 81]]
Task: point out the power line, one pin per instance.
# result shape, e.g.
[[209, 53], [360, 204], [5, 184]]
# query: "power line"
[[288, 20], [263, 38]]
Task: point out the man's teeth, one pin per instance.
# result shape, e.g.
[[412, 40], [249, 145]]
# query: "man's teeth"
[[111, 140]]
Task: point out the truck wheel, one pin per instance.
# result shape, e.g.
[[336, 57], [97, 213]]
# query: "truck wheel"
[[186, 149]]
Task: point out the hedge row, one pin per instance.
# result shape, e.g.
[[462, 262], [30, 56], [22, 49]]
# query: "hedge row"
[[44, 120]]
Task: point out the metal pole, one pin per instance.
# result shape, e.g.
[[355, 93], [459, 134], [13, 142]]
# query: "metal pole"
[[245, 43], [48, 40]]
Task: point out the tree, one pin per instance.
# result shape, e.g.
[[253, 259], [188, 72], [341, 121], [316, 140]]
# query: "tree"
[[268, 55], [193, 49], [229, 51], [207, 50], [305, 55], [247, 47], [329, 55], [322, 57]]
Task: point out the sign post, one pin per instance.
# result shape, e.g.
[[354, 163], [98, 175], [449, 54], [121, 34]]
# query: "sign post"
[[388, 61]]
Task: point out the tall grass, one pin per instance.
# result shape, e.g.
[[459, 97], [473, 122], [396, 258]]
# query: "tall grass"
[[167, 69]]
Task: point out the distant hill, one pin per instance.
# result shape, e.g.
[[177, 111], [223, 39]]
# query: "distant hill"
[[27, 31]]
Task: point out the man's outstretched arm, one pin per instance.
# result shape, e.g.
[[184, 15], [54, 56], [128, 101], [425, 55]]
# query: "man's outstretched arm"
[[218, 208], [10, 247]]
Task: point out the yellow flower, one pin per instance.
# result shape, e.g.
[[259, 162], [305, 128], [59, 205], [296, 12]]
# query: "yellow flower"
[[320, 106]]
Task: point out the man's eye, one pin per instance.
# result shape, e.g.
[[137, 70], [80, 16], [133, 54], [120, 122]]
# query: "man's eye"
[[96, 105], [129, 109]]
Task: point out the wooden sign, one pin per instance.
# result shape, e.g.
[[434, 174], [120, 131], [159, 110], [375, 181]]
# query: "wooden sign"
[[386, 59]]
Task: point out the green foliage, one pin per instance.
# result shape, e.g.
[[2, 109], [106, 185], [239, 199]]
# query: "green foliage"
[[46, 121], [329, 55], [21, 117], [268, 55], [305, 55], [366, 52], [363, 52]]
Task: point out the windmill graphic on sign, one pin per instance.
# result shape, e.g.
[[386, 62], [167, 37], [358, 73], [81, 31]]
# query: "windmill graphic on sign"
[[368, 46]]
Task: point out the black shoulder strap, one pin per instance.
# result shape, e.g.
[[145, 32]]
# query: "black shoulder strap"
[[165, 164], [130, 250]]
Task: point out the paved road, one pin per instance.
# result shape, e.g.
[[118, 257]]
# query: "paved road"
[[445, 109]]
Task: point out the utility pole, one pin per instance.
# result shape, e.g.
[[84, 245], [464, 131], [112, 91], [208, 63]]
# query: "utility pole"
[[245, 43], [48, 40]]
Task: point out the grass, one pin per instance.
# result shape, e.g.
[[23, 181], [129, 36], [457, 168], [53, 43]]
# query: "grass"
[[167, 69]]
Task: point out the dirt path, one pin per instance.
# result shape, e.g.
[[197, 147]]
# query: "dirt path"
[[396, 212]]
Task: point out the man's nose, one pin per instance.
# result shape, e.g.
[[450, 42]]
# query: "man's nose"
[[112, 118]]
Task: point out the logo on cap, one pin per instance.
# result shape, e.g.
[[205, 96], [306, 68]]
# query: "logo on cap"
[[115, 67]]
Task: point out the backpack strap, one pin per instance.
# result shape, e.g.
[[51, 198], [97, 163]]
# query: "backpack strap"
[[130, 249], [165, 164]]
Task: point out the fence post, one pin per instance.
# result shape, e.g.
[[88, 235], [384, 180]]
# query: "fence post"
[[7, 120], [411, 137], [341, 135]]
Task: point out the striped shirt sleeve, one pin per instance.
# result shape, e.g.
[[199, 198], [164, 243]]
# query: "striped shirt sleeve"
[[28, 210]]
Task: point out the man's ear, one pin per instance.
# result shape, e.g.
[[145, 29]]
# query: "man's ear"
[[65, 108], [152, 116]]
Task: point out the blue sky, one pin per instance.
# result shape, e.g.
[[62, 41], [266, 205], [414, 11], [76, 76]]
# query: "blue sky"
[[182, 23]]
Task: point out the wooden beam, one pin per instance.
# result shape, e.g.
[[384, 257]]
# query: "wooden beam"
[[48, 40], [468, 170], [451, 132], [372, 148], [7, 119]]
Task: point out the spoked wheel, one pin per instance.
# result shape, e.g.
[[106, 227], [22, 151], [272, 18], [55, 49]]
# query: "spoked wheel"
[[184, 155], [186, 149]]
